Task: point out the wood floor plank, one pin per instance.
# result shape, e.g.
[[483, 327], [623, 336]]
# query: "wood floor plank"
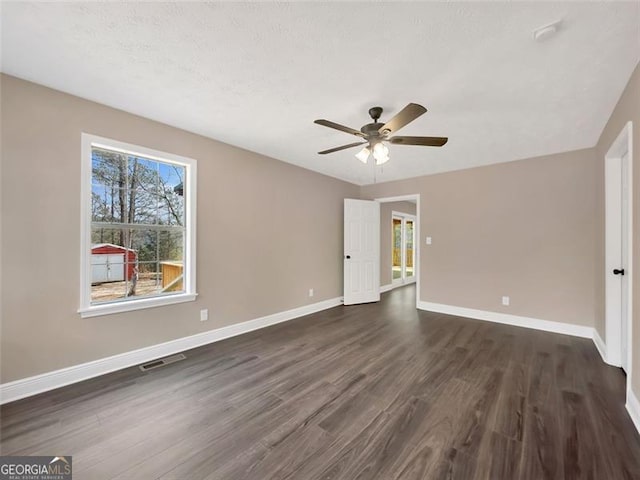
[[453, 465], [474, 425], [378, 391], [341, 456], [542, 449], [384, 447], [503, 456], [511, 403], [274, 463]]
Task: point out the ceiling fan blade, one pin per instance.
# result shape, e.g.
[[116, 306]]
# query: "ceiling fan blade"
[[342, 128], [423, 141], [343, 147], [407, 115]]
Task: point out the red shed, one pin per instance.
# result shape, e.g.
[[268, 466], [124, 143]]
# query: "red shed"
[[110, 262]]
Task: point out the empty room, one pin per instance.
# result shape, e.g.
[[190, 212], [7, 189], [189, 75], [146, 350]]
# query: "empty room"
[[319, 240]]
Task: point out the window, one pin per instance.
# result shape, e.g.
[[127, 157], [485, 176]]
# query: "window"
[[138, 227]]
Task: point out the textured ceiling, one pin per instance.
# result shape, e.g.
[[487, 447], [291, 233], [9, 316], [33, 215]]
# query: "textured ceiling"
[[256, 75]]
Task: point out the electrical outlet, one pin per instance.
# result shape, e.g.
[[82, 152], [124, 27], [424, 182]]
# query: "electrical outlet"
[[311, 292], [505, 301], [204, 315]]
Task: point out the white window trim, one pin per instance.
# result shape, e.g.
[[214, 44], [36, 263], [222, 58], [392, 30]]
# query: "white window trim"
[[190, 186]]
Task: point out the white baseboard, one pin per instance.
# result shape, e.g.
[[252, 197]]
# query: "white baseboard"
[[27, 387], [633, 407], [602, 348], [508, 319], [392, 286]]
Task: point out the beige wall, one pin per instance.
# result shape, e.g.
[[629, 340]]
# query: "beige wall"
[[531, 229], [386, 210], [627, 109], [527, 229], [267, 232]]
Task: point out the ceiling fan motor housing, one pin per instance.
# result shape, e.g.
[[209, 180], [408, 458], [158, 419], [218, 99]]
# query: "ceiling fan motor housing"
[[372, 130]]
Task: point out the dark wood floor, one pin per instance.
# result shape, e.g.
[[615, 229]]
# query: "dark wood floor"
[[376, 391]]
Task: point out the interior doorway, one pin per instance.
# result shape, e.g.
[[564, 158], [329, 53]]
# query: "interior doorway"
[[619, 251], [409, 207], [402, 248]]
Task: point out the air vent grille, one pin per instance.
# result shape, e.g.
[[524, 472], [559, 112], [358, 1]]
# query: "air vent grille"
[[161, 362]]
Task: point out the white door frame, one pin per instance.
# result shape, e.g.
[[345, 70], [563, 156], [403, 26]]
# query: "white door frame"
[[403, 247], [613, 181], [417, 243]]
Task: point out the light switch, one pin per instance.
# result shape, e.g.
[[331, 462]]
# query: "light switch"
[[428, 240]]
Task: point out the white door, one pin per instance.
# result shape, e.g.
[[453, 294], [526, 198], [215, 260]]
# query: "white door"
[[618, 268], [361, 251], [624, 295]]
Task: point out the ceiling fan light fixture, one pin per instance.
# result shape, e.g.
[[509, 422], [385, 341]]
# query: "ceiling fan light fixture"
[[380, 153], [382, 160], [363, 155]]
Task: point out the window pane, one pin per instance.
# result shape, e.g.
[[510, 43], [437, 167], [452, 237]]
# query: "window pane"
[[108, 234], [137, 231], [143, 175], [108, 275], [171, 175], [108, 292], [172, 276], [148, 281], [142, 191], [108, 168], [145, 244], [171, 209], [396, 254], [157, 278], [143, 208], [171, 246], [409, 248], [108, 204], [171, 194]]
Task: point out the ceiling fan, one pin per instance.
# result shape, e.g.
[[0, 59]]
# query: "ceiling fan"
[[377, 134]]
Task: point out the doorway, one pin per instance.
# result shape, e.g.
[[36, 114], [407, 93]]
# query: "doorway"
[[402, 248], [409, 207], [619, 251]]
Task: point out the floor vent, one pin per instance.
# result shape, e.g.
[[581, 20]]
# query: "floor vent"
[[161, 362]]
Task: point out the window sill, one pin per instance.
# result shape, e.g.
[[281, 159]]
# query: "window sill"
[[131, 305]]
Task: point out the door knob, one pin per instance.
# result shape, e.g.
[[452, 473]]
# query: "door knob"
[[618, 272], [347, 257]]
